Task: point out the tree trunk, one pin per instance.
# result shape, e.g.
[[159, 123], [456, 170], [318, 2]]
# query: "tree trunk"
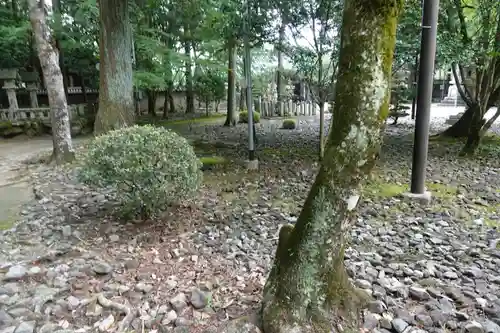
[[207, 110], [49, 60], [490, 122], [152, 102], [460, 129], [308, 288], [280, 82], [231, 86], [56, 5], [474, 135], [243, 98], [116, 90], [171, 101], [165, 105], [189, 78], [321, 130]]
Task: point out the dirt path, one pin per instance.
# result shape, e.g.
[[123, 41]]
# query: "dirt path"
[[14, 174]]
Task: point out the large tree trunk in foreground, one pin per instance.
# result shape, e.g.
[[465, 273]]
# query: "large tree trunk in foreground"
[[116, 90], [231, 86], [49, 60], [308, 288]]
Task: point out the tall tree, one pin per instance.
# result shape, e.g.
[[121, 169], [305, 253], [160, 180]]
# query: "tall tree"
[[49, 60], [116, 101], [308, 288], [478, 31]]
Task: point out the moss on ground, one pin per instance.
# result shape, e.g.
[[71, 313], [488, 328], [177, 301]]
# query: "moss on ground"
[[213, 160], [197, 120]]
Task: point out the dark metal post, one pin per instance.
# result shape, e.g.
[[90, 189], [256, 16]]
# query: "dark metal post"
[[424, 95], [248, 72], [414, 88]]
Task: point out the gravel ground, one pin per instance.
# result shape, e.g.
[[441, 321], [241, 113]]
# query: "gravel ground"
[[66, 267]]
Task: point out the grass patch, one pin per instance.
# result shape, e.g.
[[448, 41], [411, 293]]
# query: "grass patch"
[[382, 189], [213, 160], [195, 120], [8, 222], [441, 190]]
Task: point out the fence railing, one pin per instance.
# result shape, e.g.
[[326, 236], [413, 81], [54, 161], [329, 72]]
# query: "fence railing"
[[36, 114], [284, 109]]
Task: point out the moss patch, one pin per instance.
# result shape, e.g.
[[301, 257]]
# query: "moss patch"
[[6, 224], [197, 120], [213, 160]]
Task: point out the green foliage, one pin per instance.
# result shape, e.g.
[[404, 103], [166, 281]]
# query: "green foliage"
[[209, 86], [147, 167], [244, 117], [289, 124]]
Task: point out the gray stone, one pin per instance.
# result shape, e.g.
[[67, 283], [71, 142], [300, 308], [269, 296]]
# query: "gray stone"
[[377, 307], [5, 318], [169, 317], [143, 287], [199, 299], [370, 321], [490, 327], [450, 275], [363, 284], [102, 268], [419, 293], [9, 329], [424, 320], [16, 272], [399, 325], [179, 302], [474, 327], [26, 327]]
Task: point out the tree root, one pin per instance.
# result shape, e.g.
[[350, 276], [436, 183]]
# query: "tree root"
[[130, 313]]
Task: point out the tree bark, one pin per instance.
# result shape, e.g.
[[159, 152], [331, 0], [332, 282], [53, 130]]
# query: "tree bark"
[[152, 95], [460, 129], [321, 151], [165, 105], [231, 86], [49, 60], [280, 82], [116, 90], [189, 75], [308, 288]]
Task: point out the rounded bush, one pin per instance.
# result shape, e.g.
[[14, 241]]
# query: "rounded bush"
[[244, 117], [147, 168], [289, 124]]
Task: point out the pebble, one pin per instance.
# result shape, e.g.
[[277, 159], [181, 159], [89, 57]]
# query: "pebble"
[[16, 272]]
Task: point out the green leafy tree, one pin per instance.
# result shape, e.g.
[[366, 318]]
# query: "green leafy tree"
[[209, 87]]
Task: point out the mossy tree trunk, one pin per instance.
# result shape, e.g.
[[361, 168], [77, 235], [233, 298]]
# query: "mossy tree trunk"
[[49, 60], [116, 91], [308, 289], [231, 85]]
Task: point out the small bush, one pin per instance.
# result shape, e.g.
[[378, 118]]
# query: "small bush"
[[244, 117], [148, 168], [289, 124]]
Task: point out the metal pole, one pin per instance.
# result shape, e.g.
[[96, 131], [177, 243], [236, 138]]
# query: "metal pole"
[[414, 88], [248, 73], [424, 95]]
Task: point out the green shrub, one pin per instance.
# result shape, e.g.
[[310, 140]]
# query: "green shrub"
[[289, 124], [148, 168], [244, 117]]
